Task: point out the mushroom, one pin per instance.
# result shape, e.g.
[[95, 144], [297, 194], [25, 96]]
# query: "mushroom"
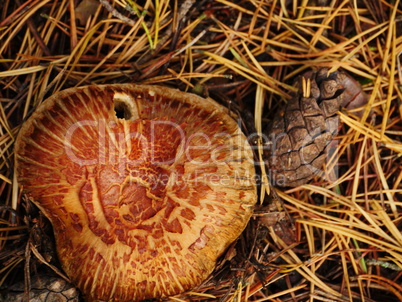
[[145, 186]]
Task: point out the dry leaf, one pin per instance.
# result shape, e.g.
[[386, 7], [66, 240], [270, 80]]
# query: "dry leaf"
[[86, 9]]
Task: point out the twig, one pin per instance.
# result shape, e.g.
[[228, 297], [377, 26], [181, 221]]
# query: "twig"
[[38, 38], [15, 14], [116, 13], [185, 7]]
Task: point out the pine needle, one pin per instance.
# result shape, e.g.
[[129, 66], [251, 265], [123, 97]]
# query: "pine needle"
[[341, 235]]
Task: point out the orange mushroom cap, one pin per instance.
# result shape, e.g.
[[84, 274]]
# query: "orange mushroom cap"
[[145, 186]]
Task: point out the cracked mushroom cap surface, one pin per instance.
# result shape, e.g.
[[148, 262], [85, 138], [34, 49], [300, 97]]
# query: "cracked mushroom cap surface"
[[145, 186]]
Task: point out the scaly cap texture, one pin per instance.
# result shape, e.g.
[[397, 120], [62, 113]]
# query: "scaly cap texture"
[[145, 186]]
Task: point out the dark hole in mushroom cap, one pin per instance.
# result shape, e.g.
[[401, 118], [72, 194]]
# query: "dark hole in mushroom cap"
[[122, 110]]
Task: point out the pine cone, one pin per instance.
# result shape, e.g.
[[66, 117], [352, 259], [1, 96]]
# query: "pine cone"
[[301, 133], [43, 288]]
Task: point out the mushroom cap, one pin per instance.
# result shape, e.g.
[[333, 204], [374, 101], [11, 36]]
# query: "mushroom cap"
[[145, 186]]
